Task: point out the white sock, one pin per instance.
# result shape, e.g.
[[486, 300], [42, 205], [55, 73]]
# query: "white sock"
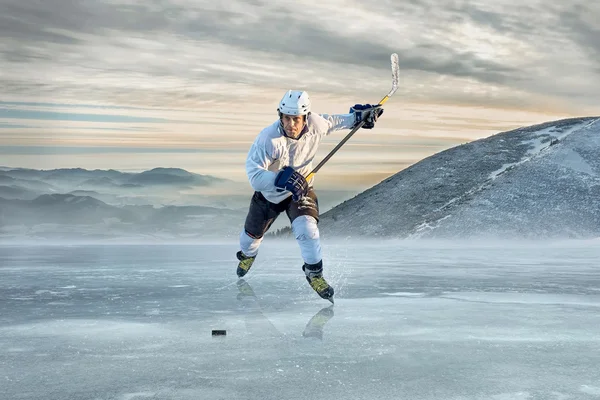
[[249, 245]]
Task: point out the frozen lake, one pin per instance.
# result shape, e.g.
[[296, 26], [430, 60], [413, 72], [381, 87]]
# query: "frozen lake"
[[412, 320]]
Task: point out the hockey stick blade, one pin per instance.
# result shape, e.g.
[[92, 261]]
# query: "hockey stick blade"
[[395, 77], [395, 73]]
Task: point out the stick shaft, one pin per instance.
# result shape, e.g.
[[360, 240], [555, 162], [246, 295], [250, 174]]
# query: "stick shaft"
[[395, 73], [341, 143]]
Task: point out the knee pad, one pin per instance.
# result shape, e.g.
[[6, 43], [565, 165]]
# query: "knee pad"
[[306, 233], [305, 228]]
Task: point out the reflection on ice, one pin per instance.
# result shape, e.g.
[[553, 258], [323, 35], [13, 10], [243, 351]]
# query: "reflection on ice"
[[314, 327], [258, 323]]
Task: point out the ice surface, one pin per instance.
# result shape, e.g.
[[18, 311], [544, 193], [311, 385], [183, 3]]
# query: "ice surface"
[[412, 320]]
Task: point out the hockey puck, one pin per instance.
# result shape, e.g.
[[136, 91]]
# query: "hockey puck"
[[219, 332]]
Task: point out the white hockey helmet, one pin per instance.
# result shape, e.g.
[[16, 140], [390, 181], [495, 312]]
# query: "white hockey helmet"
[[294, 102]]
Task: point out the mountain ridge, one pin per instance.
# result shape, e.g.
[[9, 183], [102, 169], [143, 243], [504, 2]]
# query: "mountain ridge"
[[423, 200]]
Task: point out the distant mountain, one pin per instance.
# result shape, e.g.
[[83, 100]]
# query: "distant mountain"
[[104, 182], [24, 189], [104, 197], [91, 193], [37, 185], [6, 180], [156, 186], [81, 173], [24, 173], [65, 199], [172, 176], [71, 178], [170, 171], [68, 216], [16, 192], [59, 209], [535, 182]]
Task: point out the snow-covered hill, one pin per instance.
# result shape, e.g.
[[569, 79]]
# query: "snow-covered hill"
[[536, 182]]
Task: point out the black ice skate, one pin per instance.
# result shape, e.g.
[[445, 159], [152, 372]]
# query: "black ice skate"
[[314, 276], [245, 263]]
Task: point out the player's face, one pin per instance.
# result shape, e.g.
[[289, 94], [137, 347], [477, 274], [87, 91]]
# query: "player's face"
[[292, 124]]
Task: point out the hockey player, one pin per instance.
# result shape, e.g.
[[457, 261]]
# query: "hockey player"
[[278, 162]]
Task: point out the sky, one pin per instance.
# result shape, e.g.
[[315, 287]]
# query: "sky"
[[133, 85]]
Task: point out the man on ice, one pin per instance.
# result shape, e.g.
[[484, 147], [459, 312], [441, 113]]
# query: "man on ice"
[[278, 162]]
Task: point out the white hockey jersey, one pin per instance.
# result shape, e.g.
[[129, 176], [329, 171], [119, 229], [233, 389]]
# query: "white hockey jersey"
[[272, 150]]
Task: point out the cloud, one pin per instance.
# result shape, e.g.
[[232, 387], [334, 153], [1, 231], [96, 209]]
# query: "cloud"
[[60, 116], [134, 51], [581, 24]]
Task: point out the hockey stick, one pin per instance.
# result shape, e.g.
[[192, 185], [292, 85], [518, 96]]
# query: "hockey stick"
[[395, 74]]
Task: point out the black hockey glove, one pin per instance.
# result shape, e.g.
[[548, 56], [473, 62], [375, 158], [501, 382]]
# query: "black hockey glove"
[[292, 181], [368, 112]]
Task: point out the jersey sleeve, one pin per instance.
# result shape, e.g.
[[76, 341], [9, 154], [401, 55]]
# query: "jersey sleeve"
[[257, 167], [338, 122]]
